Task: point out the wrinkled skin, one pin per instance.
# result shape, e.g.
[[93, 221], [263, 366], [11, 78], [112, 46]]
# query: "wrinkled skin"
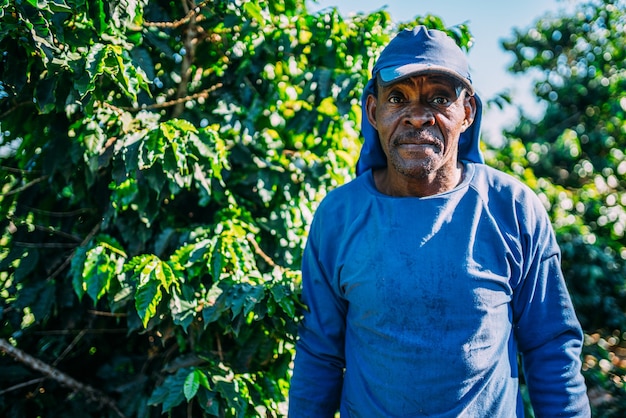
[[419, 121]]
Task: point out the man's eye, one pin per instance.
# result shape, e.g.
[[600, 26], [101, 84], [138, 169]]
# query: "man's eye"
[[395, 99], [440, 101]]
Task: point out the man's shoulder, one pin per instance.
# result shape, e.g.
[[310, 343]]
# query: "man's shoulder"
[[342, 205], [502, 191], [490, 179], [496, 175]]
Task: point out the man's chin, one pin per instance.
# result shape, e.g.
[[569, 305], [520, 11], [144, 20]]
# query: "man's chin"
[[422, 169], [421, 161]]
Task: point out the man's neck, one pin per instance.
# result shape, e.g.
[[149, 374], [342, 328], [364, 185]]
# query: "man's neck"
[[395, 184]]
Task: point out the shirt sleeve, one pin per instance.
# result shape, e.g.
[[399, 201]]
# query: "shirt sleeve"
[[317, 379], [547, 332]]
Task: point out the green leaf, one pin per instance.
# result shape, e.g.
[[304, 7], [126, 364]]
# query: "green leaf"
[[283, 297], [129, 78], [95, 273], [164, 273], [245, 297], [171, 392], [76, 271], [151, 149], [208, 401], [39, 297], [192, 383], [59, 6], [229, 389], [254, 10], [217, 260], [183, 307], [45, 300], [38, 4], [94, 67], [28, 263], [45, 93], [182, 125], [327, 107], [101, 264], [216, 305], [153, 276], [147, 298]]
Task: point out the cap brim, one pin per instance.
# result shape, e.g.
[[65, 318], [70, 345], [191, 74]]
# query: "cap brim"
[[395, 74]]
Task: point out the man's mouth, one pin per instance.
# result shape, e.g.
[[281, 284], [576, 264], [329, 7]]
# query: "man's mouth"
[[418, 144]]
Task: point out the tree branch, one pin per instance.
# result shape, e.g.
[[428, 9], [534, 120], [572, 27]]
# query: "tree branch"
[[19, 222], [53, 373], [261, 253], [18, 105], [22, 385], [60, 214], [89, 236], [108, 314], [204, 94], [188, 57], [43, 244], [89, 331], [193, 13], [69, 348], [16, 170], [24, 187]]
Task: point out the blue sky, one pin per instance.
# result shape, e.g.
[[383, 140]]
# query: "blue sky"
[[490, 21]]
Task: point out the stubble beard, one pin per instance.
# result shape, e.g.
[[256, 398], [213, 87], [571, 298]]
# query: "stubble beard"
[[417, 170], [419, 164]]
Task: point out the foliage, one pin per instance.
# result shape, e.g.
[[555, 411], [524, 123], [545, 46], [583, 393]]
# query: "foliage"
[[574, 158], [160, 163]]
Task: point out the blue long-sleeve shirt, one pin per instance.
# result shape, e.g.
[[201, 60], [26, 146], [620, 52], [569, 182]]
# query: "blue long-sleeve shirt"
[[420, 306]]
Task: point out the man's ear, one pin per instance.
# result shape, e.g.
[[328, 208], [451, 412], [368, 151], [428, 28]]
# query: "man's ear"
[[470, 111], [370, 110]]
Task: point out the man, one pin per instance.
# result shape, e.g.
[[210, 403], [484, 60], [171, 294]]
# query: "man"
[[427, 275]]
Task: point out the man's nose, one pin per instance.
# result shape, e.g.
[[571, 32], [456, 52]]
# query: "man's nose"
[[419, 115]]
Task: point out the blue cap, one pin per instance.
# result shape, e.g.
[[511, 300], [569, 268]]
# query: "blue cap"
[[423, 51], [410, 53]]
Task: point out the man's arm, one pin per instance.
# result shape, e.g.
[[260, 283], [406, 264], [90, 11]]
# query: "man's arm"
[[318, 369], [548, 333]]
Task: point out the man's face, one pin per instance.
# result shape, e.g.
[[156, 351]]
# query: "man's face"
[[419, 121]]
